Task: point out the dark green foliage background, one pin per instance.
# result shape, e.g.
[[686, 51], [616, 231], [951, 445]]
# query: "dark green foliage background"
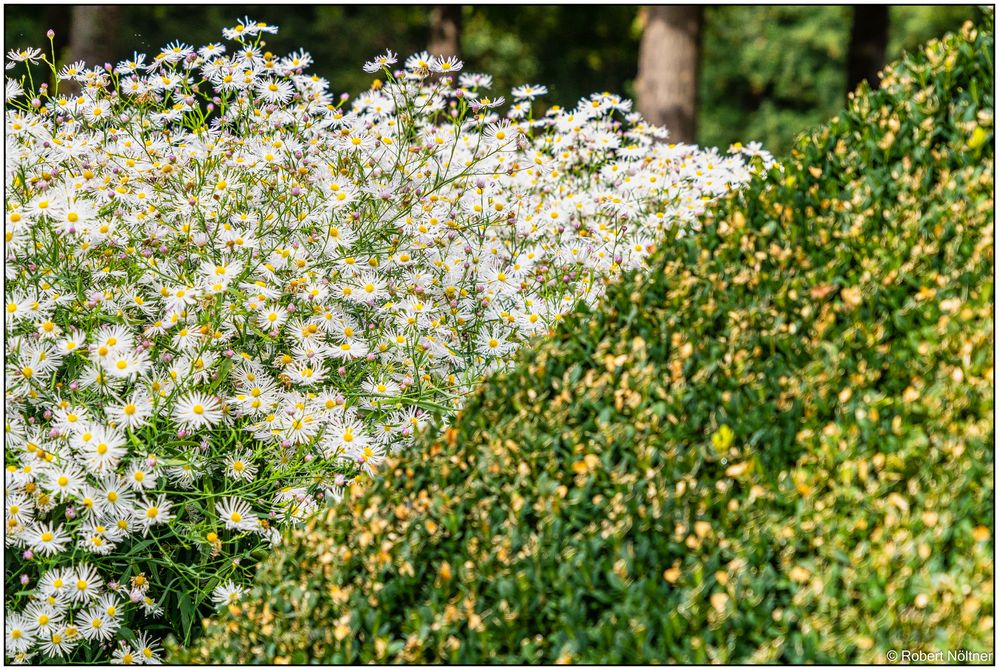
[[767, 72], [775, 447]]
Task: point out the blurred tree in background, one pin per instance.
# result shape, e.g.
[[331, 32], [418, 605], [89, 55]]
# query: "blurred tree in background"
[[868, 42], [766, 73], [445, 30], [668, 67]]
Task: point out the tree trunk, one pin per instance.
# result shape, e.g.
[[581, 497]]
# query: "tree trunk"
[[668, 61], [868, 41], [93, 37], [94, 33], [445, 30]]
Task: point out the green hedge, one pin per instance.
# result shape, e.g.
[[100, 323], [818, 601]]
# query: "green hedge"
[[778, 448]]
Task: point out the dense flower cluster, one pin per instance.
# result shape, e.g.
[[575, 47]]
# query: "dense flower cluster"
[[229, 293]]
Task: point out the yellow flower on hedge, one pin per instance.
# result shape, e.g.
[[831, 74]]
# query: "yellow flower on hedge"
[[722, 438], [978, 138]]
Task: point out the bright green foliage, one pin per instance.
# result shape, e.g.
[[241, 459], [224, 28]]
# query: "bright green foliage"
[[778, 448]]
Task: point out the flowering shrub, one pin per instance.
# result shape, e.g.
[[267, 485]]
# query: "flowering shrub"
[[230, 293], [775, 448]]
